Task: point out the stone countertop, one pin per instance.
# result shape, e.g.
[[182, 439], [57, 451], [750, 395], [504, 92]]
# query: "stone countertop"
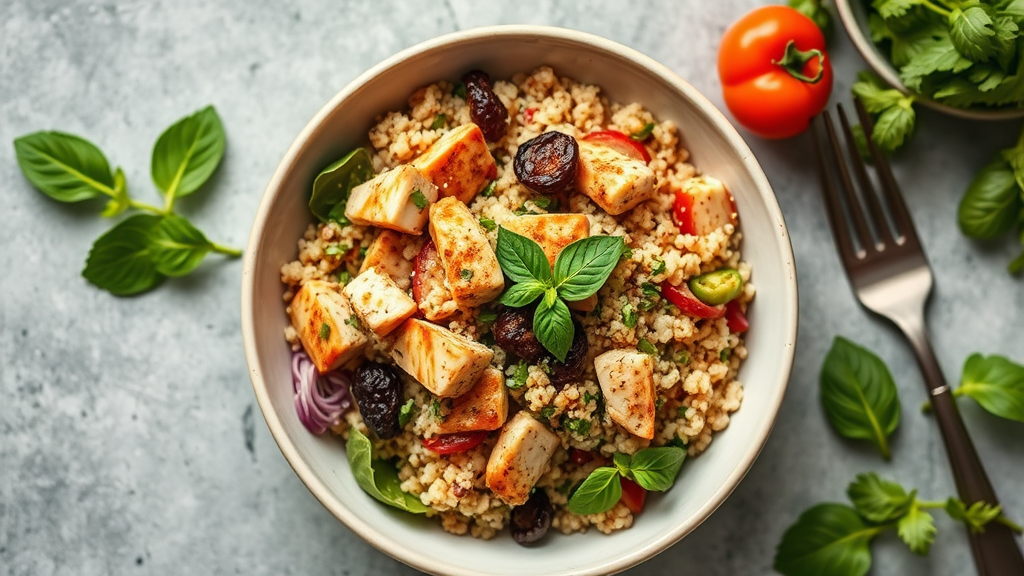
[[130, 440]]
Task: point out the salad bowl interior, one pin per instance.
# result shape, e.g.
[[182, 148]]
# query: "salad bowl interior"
[[626, 76]]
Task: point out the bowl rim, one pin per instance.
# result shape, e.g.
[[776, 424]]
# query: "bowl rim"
[[785, 255], [881, 66]]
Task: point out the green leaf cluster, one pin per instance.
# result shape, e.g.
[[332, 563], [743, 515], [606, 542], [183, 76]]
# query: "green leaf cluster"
[[859, 394], [835, 539], [994, 201], [139, 252], [581, 268], [996, 383], [892, 112], [654, 469], [377, 477]]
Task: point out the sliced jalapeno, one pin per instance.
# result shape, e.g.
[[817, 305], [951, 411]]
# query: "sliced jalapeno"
[[717, 287]]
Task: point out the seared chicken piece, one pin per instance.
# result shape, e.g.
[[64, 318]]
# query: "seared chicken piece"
[[445, 363], [520, 456], [484, 407], [458, 163], [397, 200], [470, 265], [711, 206], [393, 253], [627, 381], [552, 231], [614, 181], [326, 325], [378, 302]]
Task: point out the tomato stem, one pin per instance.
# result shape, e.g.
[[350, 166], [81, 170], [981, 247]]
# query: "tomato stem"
[[794, 59]]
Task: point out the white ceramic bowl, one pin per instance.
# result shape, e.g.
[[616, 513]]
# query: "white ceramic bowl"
[[854, 16], [625, 75]]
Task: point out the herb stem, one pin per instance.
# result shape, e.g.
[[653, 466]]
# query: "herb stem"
[[936, 8], [935, 504], [1009, 524], [146, 207], [226, 250]]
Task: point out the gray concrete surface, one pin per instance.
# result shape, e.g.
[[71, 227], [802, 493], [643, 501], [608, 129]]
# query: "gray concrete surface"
[[130, 442]]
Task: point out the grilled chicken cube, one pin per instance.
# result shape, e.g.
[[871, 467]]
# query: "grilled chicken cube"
[[708, 204], [378, 302], [520, 456], [396, 199], [445, 363], [393, 253], [458, 163], [552, 231], [470, 265], [484, 407], [627, 381], [614, 181], [326, 325]]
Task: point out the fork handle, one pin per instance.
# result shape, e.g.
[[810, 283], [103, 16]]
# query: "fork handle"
[[996, 552]]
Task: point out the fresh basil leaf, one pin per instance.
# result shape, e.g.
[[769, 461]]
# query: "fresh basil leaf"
[[827, 539], [878, 500], [521, 294], [992, 202], [622, 462], [975, 516], [917, 529], [332, 186], [655, 469], [121, 260], [552, 324], [1015, 158], [177, 247], [582, 267], [119, 200], [996, 383], [859, 395], [378, 478], [971, 31], [521, 258], [598, 493], [187, 153], [63, 166]]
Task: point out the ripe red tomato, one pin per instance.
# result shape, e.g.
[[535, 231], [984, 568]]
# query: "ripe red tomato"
[[682, 211], [620, 143], [736, 318], [774, 70], [633, 495], [683, 299], [455, 442]]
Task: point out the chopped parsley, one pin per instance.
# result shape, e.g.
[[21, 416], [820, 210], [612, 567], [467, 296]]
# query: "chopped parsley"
[[459, 90], [547, 412], [646, 347], [337, 249], [435, 410], [659, 267], [488, 224], [646, 304], [542, 202], [587, 397], [466, 274], [651, 289], [627, 252], [684, 358], [677, 442], [725, 354], [488, 190], [362, 251], [344, 277], [353, 322], [629, 316], [325, 331], [644, 132], [486, 316], [419, 199], [520, 376], [439, 122], [577, 426], [405, 413], [659, 403]]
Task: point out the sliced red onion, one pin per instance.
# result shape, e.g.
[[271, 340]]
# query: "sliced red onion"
[[320, 399]]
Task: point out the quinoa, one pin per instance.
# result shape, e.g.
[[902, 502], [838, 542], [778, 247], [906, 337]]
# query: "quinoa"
[[696, 361]]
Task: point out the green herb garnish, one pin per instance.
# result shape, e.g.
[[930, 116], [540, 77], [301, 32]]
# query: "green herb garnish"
[[337, 249], [353, 322], [519, 377], [645, 346], [654, 469], [488, 190], [996, 383], [578, 426], [659, 267], [334, 183], [547, 412], [629, 315], [891, 110], [325, 331], [488, 224], [542, 202], [644, 132], [419, 199], [377, 477], [466, 274], [405, 413], [439, 122], [459, 90]]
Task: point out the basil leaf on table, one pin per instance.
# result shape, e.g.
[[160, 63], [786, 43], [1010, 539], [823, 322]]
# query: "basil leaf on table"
[[582, 267], [996, 383], [859, 395], [378, 478], [552, 324], [121, 259], [975, 516], [334, 183], [655, 469], [119, 200], [521, 258], [63, 166], [598, 493], [878, 500], [827, 539], [177, 247], [917, 529], [992, 203], [187, 153]]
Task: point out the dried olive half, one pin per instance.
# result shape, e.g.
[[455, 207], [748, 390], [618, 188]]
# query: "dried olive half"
[[485, 108], [530, 522], [547, 164], [513, 331], [378, 394]]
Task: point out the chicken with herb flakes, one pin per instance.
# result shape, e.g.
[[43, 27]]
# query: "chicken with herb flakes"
[[521, 309]]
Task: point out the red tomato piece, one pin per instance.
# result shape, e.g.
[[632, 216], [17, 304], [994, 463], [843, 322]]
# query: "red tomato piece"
[[736, 318], [633, 495], [580, 457], [682, 298], [621, 143], [455, 442], [682, 211], [528, 114]]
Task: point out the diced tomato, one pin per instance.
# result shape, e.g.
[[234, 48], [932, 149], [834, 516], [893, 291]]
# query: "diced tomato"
[[736, 318], [528, 114], [633, 495], [621, 143], [682, 211], [454, 443], [580, 457], [682, 298]]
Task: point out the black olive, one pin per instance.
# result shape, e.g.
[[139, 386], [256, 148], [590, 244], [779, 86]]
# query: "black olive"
[[530, 522], [378, 394], [548, 163], [485, 108]]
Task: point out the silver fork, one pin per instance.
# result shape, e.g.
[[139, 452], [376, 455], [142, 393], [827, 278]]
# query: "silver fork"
[[891, 277]]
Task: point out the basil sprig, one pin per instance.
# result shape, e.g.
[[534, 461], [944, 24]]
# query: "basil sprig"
[[835, 539], [996, 383], [581, 268], [377, 477], [136, 254], [859, 395], [654, 469]]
